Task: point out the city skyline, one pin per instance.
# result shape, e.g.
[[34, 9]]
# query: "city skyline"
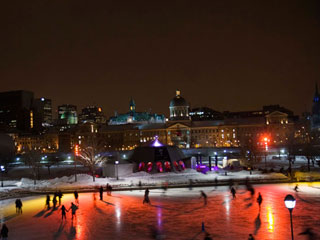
[[228, 56]]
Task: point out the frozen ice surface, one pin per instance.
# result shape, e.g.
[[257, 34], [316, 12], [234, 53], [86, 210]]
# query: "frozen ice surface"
[[175, 214]]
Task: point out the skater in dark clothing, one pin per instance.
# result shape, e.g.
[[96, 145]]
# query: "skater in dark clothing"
[[101, 193], [259, 200], [207, 237], [250, 237], [4, 232], [190, 184], [48, 202], [251, 190], [110, 190], [204, 196], [233, 192], [146, 196], [54, 201], [216, 182], [18, 206], [60, 196], [296, 188], [63, 212], [73, 208], [76, 196]]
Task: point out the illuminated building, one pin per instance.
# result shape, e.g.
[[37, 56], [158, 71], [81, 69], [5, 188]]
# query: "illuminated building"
[[67, 114], [15, 110], [134, 117], [92, 114], [42, 113], [204, 114], [157, 157], [179, 108], [315, 117]]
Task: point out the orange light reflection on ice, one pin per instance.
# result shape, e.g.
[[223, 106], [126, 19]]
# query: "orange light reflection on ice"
[[270, 219]]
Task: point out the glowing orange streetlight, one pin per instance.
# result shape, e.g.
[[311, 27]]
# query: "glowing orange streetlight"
[[76, 154]]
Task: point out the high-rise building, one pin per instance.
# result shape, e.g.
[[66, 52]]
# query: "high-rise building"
[[92, 114], [42, 113], [16, 110], [315, 117], [67, 114]]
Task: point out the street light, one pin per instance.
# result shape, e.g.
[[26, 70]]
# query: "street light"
[[2, 169], [76, 154], [266, 140], [290, 203], [116, 163]]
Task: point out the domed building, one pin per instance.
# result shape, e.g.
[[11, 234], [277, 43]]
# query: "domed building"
[[179, 108]]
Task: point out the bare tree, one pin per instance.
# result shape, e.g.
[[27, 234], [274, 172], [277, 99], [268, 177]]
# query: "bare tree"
[[32, 158], [90, 155]]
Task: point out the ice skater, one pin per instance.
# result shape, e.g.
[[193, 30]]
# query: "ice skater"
[[4, 232], [63, 212], [251, 190], [48, 202], [146, 197], [251, 237], [101, 193], [18, 206], [204, 196], [54, 201], [73, 208], [76, 196], [60, 196], [259, 200], [233, 192]]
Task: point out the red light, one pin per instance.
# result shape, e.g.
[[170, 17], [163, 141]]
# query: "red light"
[[76, 150]]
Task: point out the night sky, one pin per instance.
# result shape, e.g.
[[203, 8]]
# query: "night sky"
[[229, 55]]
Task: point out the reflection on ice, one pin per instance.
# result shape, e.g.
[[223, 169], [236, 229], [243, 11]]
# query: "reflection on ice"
[[270, 219]]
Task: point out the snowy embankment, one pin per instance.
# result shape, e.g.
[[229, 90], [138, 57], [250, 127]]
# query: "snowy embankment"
[[180, 179]]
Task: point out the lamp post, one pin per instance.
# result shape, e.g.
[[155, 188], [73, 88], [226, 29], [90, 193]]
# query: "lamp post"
[[2, 169], [290, 203], [117, 163], [76, 154]]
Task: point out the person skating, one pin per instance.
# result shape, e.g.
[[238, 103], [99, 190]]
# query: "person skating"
[[251, 190], [63, 212], [73, 208], [60, 196], [146, 196], [4, 232], [233, 192], [76, 196], [216, 182], [259, 200], [204, 196], [54, 201], [101, 193], [296, 188], [48, 202], [18, 206], [251, 237]]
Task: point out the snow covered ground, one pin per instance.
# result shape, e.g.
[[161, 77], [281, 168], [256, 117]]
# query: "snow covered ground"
[[85, 182]]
